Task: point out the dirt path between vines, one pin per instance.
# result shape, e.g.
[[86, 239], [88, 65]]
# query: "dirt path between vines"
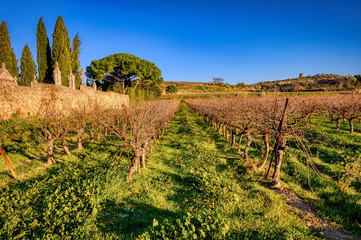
[[312, 219]]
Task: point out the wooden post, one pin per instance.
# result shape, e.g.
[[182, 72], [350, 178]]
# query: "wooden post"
[[7, 162]]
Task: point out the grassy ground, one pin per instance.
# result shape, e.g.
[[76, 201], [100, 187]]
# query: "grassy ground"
[[194, 187], [335, 193], [25, 141], [22, 140]]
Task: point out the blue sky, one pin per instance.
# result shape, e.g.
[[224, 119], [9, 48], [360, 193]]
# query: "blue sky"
[[239, 41]]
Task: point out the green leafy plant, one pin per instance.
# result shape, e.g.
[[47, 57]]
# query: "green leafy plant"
[[203, 225], [171, 89]]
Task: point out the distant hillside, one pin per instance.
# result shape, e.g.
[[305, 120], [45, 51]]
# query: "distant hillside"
[[201, 87], [319, 82]]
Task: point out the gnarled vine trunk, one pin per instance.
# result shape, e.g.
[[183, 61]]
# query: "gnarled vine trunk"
[[66, 149], [99, 132], [261, 165], [248, 145], [278, 162], [350, 121], [80, 135], [143, 152], [338, 122], [280, 146], [233, 138], [220, 129], [49, 146], [91, 133], [240, 143], [134, 166]]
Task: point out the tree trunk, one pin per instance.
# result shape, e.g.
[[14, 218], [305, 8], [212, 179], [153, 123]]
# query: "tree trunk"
[[151, 146], [66, 149], [233, 139], [224, 130], [280, 147], [248, 145], [80, 138], [240, 143], [91, 132], [219, 129], [99, 133], [351, 124], [134, 166], [49, 146], [227, 135], [143, 158], [338, 121], [278, 162], [261, 165], [7, 162]]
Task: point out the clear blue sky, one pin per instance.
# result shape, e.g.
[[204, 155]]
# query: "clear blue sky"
[[240, 41]]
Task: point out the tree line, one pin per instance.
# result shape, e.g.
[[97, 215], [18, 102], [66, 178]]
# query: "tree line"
[[122, 72], [61, 51]]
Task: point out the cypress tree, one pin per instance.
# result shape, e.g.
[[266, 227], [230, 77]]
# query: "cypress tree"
[[75, 63], [27, 66], [7, 54], [43, 53], [14, 69], [61, 49]]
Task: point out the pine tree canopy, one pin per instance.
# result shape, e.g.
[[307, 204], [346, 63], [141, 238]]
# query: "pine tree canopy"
[[27, 66], [126, 69], [61, 49], [43, 53]]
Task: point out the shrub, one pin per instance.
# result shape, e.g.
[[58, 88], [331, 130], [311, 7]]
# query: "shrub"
[[171, 89]]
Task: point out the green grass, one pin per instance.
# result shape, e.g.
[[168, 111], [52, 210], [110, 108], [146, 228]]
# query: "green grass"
[[332, 151], [194, 186], [22, 140]]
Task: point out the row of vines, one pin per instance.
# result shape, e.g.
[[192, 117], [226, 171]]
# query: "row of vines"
[[137, 126], [277, 121]]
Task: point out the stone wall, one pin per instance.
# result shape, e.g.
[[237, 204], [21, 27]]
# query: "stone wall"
[[30, 100]]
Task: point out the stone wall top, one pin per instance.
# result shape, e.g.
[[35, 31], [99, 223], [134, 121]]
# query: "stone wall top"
[[28, 100]]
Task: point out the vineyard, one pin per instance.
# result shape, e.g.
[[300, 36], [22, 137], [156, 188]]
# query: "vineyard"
[[207, 168]]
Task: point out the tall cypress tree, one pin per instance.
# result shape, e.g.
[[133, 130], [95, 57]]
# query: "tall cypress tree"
[[27, 66], [43, 53], [61, 49], [75, 63], [14, 69], [7, 54]]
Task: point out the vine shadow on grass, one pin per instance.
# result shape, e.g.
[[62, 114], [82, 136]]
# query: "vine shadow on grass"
[[132, 220]]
